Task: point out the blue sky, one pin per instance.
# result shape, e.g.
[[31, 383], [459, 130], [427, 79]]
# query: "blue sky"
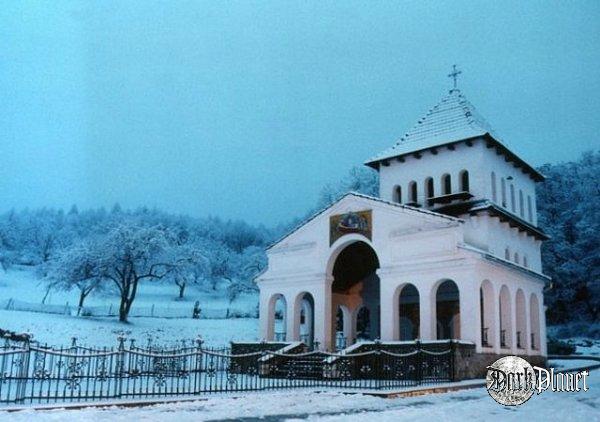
[[246, 109]]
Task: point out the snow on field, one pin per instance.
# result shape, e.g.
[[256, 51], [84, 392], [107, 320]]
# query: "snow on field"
[[562, 364], [587, 347], [473, 404], [58, 329], [21, 283]]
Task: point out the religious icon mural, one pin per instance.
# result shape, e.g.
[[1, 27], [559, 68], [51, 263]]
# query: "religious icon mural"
[[351, 222]]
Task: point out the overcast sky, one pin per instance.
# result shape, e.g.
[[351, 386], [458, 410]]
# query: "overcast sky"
[[245, 110]]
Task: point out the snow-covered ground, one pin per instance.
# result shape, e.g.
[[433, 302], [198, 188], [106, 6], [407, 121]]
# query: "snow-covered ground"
[[472, 405], [57, 330], [587, 347], [335, 406], [22, 284]]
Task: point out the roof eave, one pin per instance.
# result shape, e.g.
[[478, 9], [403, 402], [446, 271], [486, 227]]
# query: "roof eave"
[[535, 175], [534, 231]]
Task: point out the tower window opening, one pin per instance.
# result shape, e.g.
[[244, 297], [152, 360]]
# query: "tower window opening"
[[464, 181], [412, 188], [521, 204], [429, 192], [446, 184], [512, 198], [398, 194]]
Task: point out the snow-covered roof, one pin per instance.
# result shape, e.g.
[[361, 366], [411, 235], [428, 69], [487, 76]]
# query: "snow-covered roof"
[[451, 120]]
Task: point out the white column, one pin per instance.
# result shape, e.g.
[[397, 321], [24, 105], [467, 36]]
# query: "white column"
[[469, 301], [309, 320], [323, 315], [389, 313], [543, 346], [350, 325], [292, 318], [427, 316], [513, 335], [494, 335], [527, 326], [265, 317]]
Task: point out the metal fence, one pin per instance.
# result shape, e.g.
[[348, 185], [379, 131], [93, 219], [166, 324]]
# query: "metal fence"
[[110, 310], [33, 373]]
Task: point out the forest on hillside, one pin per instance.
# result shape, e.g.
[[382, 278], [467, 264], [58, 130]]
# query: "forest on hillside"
[[117, 249]]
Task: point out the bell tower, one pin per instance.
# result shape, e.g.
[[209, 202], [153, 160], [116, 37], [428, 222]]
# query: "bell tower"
[[452, 162]]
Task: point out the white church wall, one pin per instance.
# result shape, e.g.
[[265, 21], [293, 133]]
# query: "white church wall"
[[432, 165], [480, 231], [307, 251], [303, 261], [501, 237], [412, 247], [491, 162]]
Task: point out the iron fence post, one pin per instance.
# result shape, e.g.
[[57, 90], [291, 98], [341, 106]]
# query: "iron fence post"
[[377, 363], [23, 372], [120, 367], [419, 359], [452, 361]]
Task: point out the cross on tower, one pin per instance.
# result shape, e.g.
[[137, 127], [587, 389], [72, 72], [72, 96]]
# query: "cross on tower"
[[454, 75]]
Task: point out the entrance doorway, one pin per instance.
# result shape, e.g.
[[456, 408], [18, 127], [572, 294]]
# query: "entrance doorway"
[[355, 289]]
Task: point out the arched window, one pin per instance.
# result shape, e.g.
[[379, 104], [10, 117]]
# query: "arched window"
[[429, 192], [409, 317], [529, 208], [447, 311], [512, 198], [412, 189], [521, 204], [503, 191], [507, 254], [516, 257], [525, 263], [464, 181], [277, 318], [397, 194], [494, 194], [446, 184], [487, 305]]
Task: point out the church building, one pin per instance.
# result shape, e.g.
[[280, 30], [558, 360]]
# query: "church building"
[[450, 249]]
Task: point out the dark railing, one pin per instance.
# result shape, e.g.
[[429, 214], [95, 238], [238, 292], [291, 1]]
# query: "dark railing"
[[34, 373], [484, 337], [503, 338]]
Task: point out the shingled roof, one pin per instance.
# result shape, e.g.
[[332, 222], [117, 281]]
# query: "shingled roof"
[[451, 120]]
